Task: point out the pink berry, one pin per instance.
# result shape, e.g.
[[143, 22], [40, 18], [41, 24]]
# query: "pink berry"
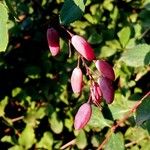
[[76, 80], [53, 41], [107, 89], [83, 47], [83, 116], [96, 94], [105, 69]]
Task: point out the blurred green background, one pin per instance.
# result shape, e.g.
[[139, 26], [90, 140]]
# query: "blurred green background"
[[37, 105]]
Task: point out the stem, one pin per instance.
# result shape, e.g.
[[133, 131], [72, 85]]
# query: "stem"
[[114, 127], [72, 142]]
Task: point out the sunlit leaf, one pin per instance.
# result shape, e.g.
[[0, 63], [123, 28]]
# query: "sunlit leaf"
[[46, 141], [27, 137], [137, 56], [3, 27]]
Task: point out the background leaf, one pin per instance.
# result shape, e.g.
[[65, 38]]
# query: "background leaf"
[[3, 28], [143, 113], [137, 56], [71, 11], [115, 142], [124, 36]]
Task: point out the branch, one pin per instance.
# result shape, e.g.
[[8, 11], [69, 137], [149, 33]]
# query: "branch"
[[114, 127]]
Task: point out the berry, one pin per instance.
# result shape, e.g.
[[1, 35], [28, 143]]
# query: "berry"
[[96, 94], [83, 47], [76, 80], [107, 89], [83, 116], [53, 41], [105, 69]]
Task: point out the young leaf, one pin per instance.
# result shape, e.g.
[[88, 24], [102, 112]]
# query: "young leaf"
[[143, 113], [124, 36], [3, 28], [81, 140], [72, 10], [56, 124], [116, 141], [46, 141], [27, 137], [137, 56]]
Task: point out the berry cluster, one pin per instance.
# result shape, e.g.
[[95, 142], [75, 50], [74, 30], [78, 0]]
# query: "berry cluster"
[[100, 89]]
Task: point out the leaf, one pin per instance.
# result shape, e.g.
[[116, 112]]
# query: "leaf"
[[81, 140], [27, 137], [16, 147], [55, 123], [3, 104], [71, 11], [115, 142], [143, 111], [3, 28], [97, 119], [11, 9], [137, 56], [124, 36], [46, 141], [95, 38]]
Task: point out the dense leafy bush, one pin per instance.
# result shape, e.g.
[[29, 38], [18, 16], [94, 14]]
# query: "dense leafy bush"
[[37, 104]]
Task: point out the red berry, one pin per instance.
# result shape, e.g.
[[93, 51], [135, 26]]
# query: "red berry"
[[83, 116], [76, 80], [96, 94], [107, 89], [105, 69], [83, 47], [53, 41]]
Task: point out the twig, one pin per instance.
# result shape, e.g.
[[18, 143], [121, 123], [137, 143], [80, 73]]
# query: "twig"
[[17, 119], [114, 127], [72, 142]]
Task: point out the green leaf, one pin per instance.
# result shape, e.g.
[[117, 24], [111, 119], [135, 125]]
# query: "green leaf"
[[27, 137], [71, 11], [124, 36], [81, 140], [46, 141], [55, 123], [3, 28], [143, 111], [137, 56], [16, 147], [115, 142], [95, 38], [3, 104], [97, 119]]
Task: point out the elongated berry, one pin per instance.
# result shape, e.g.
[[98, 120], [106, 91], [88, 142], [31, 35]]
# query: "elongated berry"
[[83, 47], [83, 116], [53, 41], [105, 69], [76, 80], [107, 89], [96, 93]]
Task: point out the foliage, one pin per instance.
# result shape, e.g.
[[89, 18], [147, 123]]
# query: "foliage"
[[37, 105]]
